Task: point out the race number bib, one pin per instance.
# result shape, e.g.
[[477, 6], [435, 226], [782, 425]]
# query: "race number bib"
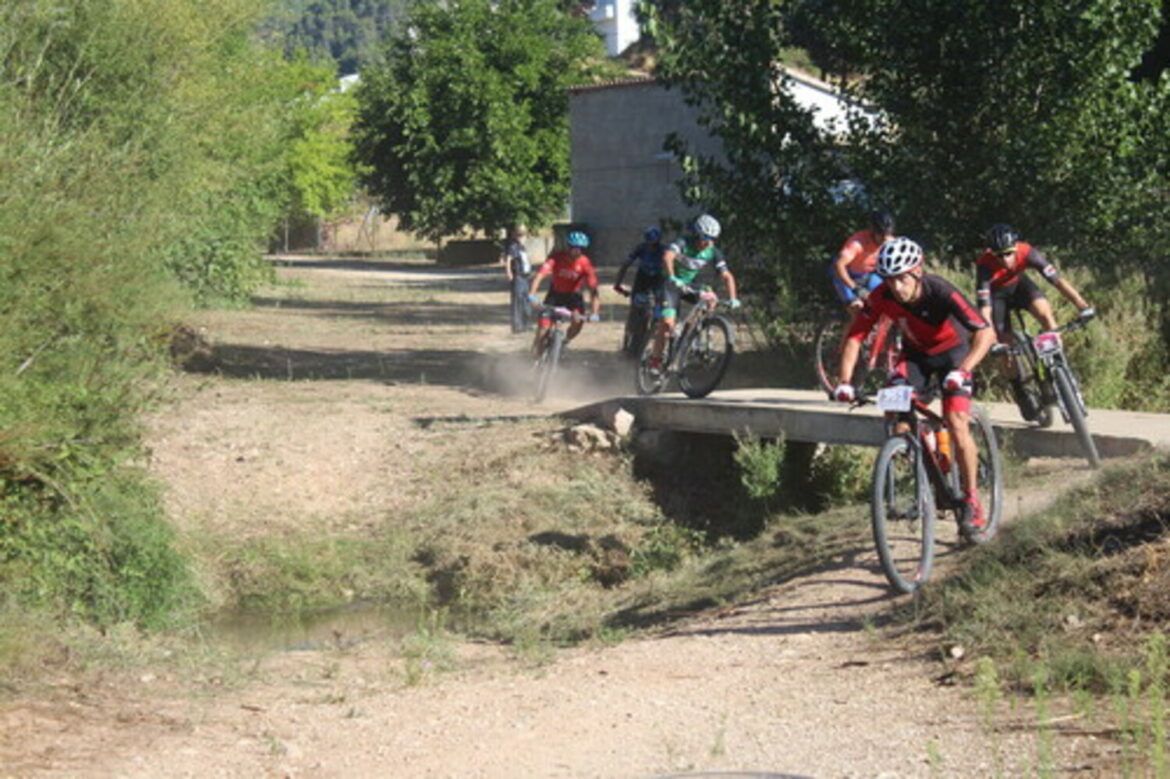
[[897, 398], [1047, 343]]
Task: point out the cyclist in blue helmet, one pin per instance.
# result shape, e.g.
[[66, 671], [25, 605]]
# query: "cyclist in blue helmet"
[[649, 280], [571, 274]]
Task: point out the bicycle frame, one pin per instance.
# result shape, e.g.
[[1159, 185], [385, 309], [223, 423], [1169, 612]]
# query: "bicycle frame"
[[923, 420], [1037, 357], [706, 305], [557, 316]]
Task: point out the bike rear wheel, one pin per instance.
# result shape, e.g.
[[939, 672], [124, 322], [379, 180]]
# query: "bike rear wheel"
[[1070, 398], [549, 361], [706, 355], [903, 515]]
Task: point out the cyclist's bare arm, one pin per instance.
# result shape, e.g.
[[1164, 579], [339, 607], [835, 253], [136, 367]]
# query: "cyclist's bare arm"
[[850, 351], [981, 342], [729, 280], [841, 265], [668, 262], [536, 279], [595, 301], [1071, 293]]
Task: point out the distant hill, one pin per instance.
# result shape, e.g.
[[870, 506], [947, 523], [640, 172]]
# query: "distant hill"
[[350, 32]]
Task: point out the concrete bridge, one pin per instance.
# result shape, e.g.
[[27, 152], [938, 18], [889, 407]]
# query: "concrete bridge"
[[803, 415]]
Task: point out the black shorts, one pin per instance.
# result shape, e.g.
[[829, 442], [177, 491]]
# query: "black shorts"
[[648, 288], [574, 301], [1017, 297], [925, 373]]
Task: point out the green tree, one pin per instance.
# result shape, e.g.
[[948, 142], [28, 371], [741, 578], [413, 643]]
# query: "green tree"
[[773, 187], [466, 123], [1007, 111], [1017, 111]]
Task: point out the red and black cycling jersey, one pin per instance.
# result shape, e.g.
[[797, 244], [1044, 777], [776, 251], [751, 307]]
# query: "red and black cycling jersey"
[[569, 274], [992, 275], [928, 324]]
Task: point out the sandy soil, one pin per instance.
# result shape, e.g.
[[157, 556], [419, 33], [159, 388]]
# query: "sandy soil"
[[313, 421]]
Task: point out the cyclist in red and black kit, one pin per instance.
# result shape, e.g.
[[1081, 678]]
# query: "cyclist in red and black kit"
[[571, 272], [1002, 287], [934, 318]]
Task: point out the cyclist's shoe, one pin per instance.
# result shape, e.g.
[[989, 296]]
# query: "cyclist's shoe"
[[654, 365], [973, 521]]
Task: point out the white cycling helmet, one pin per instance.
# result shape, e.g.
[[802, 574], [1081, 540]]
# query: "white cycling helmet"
[[707, 225], [897, 256]]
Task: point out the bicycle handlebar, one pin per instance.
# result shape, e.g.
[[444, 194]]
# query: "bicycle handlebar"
[[1067, 327], [561, 314]]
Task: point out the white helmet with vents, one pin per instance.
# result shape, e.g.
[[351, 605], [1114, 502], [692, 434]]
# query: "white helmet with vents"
[[897, 256], [707, 225]]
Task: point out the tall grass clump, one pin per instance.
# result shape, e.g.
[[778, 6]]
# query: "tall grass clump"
[[1077, 588], [139, 172]]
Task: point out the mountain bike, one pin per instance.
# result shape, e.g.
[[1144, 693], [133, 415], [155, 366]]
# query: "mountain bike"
[[639, 322], [879, 352], [551, 348], [1042, 378], [698, 352], [916, 475]]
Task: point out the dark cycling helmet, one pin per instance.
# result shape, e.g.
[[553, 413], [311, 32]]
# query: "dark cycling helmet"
[[577, 239], [653, 234], [1001, 238], [881, 222], [897, 256], [707, 226]]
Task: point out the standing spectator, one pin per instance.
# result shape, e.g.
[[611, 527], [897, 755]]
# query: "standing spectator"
[[517, 268]]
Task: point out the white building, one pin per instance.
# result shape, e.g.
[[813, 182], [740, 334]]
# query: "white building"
[[616, 21]]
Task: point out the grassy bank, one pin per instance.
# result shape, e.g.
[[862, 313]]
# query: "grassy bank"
[[1078, 590]]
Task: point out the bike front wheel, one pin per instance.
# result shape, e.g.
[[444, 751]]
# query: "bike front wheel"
[[1070, 399], [549, 361], [706, 355], [903, 515], [989, 473], [647, 380]]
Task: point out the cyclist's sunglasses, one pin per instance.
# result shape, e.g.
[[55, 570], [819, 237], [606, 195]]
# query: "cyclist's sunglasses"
[[706, 238], [1006, 252]]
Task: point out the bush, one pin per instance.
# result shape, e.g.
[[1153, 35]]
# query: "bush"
[[142, 163]]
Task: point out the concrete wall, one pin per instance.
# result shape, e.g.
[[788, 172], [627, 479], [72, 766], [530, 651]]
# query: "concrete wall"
[[622, 179]]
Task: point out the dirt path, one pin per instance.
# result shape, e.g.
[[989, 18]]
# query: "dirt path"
[[798, 681]]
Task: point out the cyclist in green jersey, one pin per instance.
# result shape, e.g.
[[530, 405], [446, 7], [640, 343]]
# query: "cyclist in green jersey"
[[682, 262]]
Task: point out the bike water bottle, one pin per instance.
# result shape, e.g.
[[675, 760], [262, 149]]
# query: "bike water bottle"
[[945, 454]]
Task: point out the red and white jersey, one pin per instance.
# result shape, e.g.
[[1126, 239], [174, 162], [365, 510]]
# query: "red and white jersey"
[[569, 274]]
